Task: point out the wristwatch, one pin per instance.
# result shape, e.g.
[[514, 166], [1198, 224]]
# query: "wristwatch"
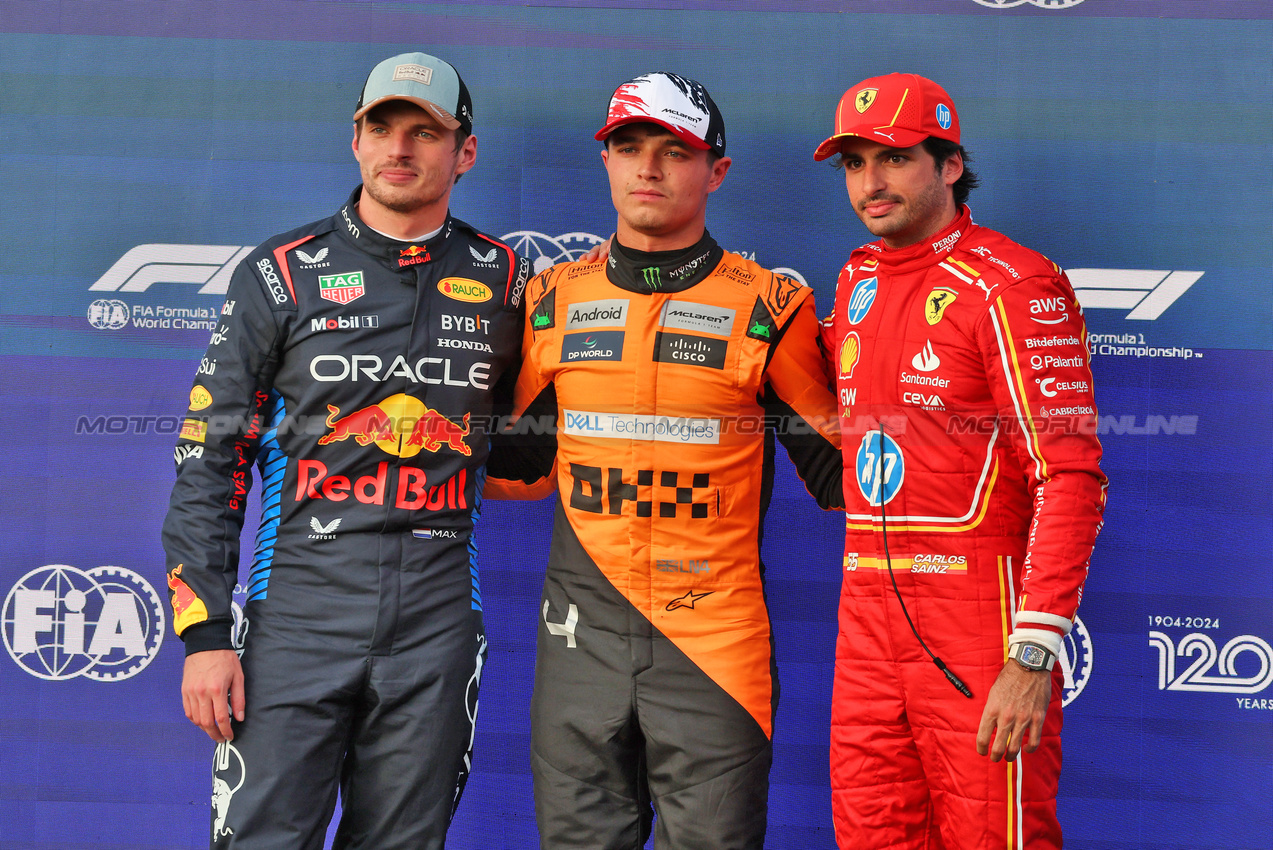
[[1032, 656]]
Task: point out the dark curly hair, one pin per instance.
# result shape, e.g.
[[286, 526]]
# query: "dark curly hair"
[[941, 150]]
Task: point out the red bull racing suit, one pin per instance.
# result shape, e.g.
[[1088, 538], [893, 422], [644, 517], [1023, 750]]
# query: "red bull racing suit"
[[985, 494], [668, 376], [358, 372]]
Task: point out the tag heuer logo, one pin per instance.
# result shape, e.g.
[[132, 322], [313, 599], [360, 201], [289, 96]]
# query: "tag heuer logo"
[[864, 99], [341, 288]]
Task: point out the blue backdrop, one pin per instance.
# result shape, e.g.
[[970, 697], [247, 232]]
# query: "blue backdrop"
[[147, 143]]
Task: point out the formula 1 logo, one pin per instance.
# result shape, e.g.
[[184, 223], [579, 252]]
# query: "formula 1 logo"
[[1145, 293], [207, 265], [60, 622]]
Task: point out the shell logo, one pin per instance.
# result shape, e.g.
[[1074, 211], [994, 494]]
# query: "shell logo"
[[850, 353], [464, 289]]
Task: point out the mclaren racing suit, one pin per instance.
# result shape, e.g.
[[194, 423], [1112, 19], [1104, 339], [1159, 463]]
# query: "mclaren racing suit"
[[984, 493], [358, 371], [655, 671]]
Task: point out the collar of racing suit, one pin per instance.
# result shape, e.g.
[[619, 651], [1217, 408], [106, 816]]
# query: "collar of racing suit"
[[662, 271], [395, 252], [928, 252]]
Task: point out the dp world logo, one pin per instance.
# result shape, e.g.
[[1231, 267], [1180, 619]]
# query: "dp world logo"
[[60, 622]]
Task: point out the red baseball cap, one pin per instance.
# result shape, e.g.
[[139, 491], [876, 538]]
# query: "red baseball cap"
[[900, 110]]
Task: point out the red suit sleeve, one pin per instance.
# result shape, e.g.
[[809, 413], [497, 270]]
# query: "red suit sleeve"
[[1034, 344]]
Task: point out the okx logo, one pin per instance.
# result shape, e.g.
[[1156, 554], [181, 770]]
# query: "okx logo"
[[60, 622]]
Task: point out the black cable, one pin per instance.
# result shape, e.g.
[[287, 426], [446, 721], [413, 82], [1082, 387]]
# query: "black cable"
[[941, 665]]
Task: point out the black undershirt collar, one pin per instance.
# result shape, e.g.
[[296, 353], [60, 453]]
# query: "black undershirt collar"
[[648, 272]]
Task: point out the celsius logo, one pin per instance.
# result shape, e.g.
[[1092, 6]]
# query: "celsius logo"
[[60, 622], [1042, 4], [1076, 661]]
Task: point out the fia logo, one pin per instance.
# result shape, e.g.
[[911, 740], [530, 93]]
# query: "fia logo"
[[1076, 661], [60, 622]]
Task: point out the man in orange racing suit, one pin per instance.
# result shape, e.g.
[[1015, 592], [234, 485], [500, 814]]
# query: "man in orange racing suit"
[[975, 500], [655, 674]]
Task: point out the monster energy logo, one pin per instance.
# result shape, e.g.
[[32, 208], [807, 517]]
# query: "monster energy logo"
[[760, 330], [652, 275]]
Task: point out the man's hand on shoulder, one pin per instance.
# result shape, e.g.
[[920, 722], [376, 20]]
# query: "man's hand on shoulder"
[[598, 252], [212, 686], [1015, 707]]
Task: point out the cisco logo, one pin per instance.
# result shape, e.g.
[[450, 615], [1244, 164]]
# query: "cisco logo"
[[105, 624]]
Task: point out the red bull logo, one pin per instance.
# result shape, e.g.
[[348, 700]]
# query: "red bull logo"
[[414, 255], [399, 425], [411, 490], [433, 430], [187, 608]]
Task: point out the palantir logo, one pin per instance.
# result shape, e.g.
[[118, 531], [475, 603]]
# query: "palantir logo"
[[60, 622]]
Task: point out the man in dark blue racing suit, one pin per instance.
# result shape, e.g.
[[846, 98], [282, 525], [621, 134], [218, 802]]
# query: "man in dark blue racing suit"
[[357, 361]]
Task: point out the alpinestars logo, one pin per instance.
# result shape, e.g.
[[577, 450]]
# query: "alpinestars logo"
[[484, 261], [687, 600], [316, 261]]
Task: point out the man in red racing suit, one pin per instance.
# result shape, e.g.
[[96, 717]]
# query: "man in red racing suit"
[[973, 495]]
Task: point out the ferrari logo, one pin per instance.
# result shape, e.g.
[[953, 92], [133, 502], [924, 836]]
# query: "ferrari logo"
[[937, 302], [864, 99]]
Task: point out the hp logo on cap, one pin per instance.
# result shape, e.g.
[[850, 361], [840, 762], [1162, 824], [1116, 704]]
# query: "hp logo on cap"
[[943, 116]]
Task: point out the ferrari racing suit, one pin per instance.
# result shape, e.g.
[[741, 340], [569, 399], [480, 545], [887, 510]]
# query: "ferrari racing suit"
[[667, 375], [358, 371], [972, 478]]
